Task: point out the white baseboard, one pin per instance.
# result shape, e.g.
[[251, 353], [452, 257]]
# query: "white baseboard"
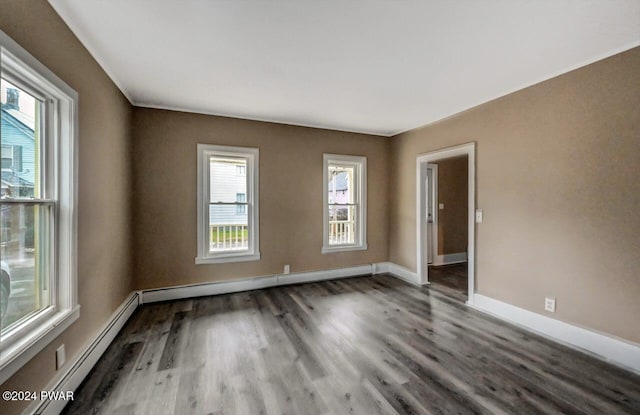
[[204, 289], [616, 351], [330, 274], [247, 284], [70, 379], [448, 259], [397, 271]]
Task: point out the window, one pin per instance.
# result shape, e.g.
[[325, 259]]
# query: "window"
[[227, 204], [37, 213], [241, 208], [345, 196]]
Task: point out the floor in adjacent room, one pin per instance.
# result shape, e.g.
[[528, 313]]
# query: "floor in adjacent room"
[[451, 279], [363, 345]]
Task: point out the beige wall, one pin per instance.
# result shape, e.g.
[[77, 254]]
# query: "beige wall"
[[104, 250], [290, 196], [557, 178], [453, 185]]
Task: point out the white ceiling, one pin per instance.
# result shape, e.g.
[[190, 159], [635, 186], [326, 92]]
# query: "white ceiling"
[[378, 67]]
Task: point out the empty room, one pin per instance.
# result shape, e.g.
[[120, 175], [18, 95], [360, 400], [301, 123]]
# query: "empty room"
[[320, 207]]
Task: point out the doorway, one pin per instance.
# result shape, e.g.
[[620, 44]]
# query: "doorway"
[[427, 208]]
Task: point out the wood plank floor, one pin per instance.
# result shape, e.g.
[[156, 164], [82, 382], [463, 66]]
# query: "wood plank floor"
[[450, 278], [367, 345]]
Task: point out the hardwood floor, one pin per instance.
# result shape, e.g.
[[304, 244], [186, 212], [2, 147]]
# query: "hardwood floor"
[[450, 278], [367, 345]]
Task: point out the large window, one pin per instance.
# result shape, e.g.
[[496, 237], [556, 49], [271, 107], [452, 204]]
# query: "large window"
[[345, 189], [37, 219], [227, 204]]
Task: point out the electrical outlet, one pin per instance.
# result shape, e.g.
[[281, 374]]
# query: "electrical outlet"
[[287, 269], [60, 357], [550, 304]]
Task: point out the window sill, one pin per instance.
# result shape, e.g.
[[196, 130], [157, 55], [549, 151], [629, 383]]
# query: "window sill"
[[19, 353], [227, 258], [343, 248]]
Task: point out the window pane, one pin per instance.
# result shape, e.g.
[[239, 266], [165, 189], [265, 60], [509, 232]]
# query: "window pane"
[[25, 283], [228, 228], [342, 224], [341, 184], [224, 181], [241, 197], [20, 142]]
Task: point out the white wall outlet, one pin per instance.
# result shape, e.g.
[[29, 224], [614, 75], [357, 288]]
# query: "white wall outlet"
[[287, 269], [60, 357], [441, 206], [479, 216], [550, 304]]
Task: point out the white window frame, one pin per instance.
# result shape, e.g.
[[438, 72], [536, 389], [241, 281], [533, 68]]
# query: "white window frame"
[[251, 155], [359, 164], [60, 161]]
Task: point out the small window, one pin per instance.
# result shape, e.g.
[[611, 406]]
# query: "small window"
[[37, 213], [227, 204], [241, 208], [344, 194]]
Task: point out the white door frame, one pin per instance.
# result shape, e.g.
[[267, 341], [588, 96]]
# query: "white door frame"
[[434, 210], [422, 268]]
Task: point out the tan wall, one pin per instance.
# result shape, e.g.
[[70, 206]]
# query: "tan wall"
[[453, 185], [104, 251], [290, 196], [557, 178]]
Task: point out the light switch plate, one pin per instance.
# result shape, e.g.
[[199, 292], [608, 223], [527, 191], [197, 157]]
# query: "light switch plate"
[[479, 216], [441, 206], [287, 269]]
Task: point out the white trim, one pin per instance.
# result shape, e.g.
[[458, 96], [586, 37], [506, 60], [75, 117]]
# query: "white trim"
[[359, 165], [536, 81], [448, 259], [79, 368], [67, 16], [178, 108], [248, 284], [59, 171], [434, 209], [397, 271], [613, 350], [422, 269], [38, 339], [252, 157]]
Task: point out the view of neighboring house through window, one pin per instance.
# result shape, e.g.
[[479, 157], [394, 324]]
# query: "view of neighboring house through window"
[[25, 227], [241, 208], [228, 221], [345, 199], [38, 119]]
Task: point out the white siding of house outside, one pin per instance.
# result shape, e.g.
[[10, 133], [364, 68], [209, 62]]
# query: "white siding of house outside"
[[226, 183]]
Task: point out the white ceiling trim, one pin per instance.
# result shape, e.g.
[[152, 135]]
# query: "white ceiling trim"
[[86, 41], [374, 105], [529, 84], [220, 114]]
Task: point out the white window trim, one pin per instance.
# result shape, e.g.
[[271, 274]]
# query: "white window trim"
[[25, 341], [251, 196], [360, 165]]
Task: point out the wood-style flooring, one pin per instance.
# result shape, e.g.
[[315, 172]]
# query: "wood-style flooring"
[[366, 345], [450, 278]]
